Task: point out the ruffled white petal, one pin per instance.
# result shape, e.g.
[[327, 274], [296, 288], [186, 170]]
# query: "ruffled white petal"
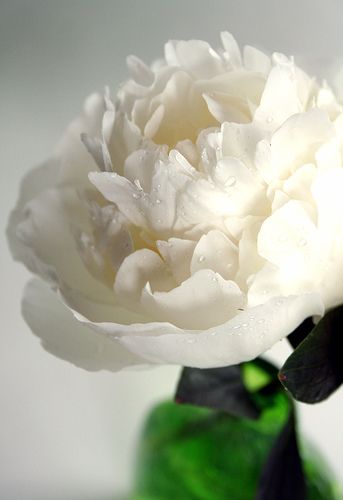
[[194, 56], [65, 337], [217, 252], [242, 338], [34, 183], [177, 254], [202, 300], [47, 244]]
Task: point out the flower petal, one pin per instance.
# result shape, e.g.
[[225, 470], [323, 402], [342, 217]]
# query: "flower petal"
[[33, 184], [242, 338], [195, 56], [217, 252], [202, 300], [65, 337], [75, 161], [48, 246], [286, 93], [139, 269], [232, 51], [177, 254]]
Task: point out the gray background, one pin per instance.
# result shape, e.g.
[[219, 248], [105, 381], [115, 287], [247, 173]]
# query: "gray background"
[[66, 434]]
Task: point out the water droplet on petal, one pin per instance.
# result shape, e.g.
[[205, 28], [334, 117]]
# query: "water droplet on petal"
[[261, 320], [202, 258], [158, 201], [269, 119]]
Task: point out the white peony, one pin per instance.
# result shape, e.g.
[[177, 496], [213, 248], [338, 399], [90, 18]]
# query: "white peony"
[[199, 220]]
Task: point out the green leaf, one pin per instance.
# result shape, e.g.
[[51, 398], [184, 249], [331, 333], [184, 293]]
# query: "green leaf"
[[190, 453], [315, 369], [255, 376], [282, 476], [300, 333], [217, 388], [193, 453]]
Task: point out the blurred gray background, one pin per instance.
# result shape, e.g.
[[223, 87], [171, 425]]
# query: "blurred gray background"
[[66, 434]]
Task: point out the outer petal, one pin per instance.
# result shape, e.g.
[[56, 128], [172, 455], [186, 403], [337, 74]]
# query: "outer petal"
[[195, 56], [255, 60], [286, 93], [48, 247], [76, 162], [34, 183], [242, 338], [62, 335], [232, 51]]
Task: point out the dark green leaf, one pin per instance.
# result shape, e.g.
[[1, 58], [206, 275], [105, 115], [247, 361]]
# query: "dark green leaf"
[[217, 388], [300, 333], [315, 369], [282, 476]]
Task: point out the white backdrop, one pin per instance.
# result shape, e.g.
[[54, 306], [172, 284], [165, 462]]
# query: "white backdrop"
[[66, 434]]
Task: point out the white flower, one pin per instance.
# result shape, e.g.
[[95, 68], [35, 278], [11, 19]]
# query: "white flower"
[[198, 223]]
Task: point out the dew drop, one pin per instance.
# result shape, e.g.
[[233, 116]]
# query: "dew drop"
[[244, 325], [202, 258], [158, 201], [135, 196], [213, 334], [261, 320], [269, 119]]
